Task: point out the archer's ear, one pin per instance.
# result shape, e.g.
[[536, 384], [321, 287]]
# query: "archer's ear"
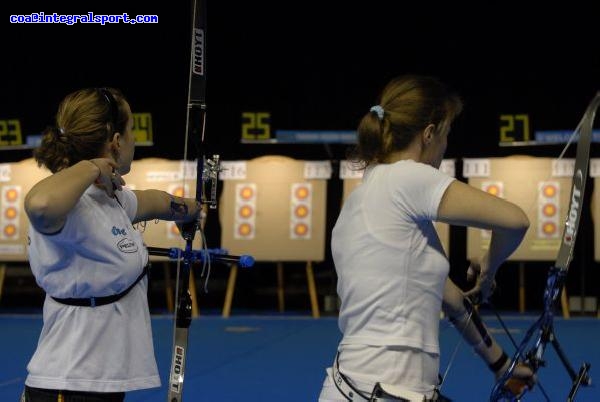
[[114, 142], [114, 146], [428, 134]]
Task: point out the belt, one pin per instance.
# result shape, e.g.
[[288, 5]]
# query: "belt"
[[102, 300], [344, 386], [381, 392]]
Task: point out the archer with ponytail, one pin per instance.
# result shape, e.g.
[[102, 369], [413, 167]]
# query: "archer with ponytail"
[[392, 270], [96, 342]]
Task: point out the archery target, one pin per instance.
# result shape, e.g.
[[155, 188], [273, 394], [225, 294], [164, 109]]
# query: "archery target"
[[300, 211], [548, 207], [16, 179], [244, 221], [534, 184], [288, 224], [595, 174], [11, 210]]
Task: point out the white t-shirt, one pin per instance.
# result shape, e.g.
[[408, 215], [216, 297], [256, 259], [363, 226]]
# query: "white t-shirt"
[[389, 260], [97, 253]]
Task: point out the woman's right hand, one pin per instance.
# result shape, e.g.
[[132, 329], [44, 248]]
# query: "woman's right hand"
[[108, 177], [485, 284]]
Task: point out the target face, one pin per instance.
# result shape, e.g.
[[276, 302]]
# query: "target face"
[[244, 223]]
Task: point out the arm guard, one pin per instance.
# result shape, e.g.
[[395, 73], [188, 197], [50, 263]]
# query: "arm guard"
[[465, 317]]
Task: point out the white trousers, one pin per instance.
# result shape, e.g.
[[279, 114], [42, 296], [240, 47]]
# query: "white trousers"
[[364, 366]]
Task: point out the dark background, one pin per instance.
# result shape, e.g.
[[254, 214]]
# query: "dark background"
[[317, 66]]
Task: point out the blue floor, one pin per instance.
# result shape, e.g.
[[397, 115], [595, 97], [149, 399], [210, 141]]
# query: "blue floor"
[[282, 358]]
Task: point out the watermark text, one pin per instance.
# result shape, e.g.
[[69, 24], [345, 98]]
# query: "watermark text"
[[89, 18]]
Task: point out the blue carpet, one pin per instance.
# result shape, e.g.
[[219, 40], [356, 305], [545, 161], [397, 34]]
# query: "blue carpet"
[[257, 358]]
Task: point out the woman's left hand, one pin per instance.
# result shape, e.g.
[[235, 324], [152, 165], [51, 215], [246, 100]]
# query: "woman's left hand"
[[189, 227]]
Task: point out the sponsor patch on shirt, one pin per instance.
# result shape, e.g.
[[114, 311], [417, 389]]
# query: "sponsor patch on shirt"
[[127, 245], [116, 231]]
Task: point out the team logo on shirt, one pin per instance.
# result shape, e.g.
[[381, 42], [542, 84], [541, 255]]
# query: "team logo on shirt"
[[127, 245], [116, 231]]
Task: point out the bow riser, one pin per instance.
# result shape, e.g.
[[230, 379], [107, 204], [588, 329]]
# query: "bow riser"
[[196, 111], [544, 327]]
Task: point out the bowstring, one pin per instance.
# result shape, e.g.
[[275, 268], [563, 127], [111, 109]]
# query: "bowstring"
[[490, 305], [455, 350], [529, 210], [519, 356], [576, 132], [183, 186], [206, 263]]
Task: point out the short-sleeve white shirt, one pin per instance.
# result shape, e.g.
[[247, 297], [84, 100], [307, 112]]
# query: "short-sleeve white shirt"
[[97, 253], [390, 263]]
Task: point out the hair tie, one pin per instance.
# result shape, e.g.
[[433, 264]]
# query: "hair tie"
[[59, 134], [377, 109]]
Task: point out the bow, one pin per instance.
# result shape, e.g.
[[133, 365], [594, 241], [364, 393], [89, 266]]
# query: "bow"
[[205, 172], [195, 125], [543, 327], [206, 175]]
